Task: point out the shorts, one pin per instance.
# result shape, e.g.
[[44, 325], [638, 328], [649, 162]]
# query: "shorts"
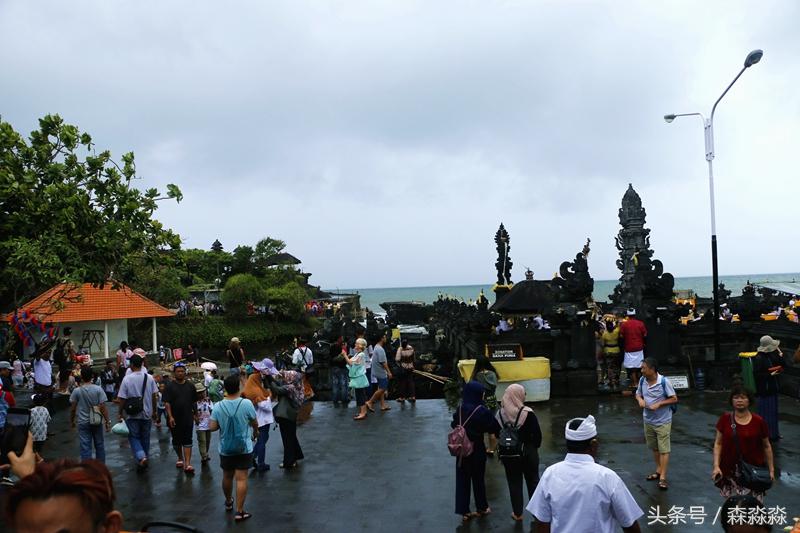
[[383, 383], [236, 462], [633, 359], [361, 396], [182, 433], [657, 437]]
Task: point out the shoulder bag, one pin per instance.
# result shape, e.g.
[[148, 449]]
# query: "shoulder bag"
[[135, 406], [755, 478], [95, 416]]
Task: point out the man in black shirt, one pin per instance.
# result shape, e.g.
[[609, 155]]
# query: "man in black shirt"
[[180, 400]]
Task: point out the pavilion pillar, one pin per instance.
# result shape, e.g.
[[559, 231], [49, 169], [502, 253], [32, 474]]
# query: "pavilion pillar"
[[105, 339], [155, 336]]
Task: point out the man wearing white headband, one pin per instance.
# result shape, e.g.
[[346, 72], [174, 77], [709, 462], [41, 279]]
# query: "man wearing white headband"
[[578, 495]]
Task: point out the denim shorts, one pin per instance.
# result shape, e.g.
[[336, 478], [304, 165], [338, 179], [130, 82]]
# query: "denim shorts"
[[383, 383]]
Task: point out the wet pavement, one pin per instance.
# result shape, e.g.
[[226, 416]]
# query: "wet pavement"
[[392, 472]]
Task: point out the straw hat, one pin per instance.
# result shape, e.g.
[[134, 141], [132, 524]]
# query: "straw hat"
[[768, 344]]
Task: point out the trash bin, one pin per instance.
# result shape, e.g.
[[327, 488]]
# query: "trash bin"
[[746, 359]]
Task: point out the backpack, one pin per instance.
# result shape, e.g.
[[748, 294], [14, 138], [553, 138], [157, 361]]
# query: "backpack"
[[509, 444], [215, 389], [309, 366], [673, 406], [229, 442], [458, 442]]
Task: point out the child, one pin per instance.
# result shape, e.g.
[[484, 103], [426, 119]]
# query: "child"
[[204, 408], [162, 409], [40, 418]]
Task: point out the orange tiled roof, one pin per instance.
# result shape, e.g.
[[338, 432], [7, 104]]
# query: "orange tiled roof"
[[77, 303]]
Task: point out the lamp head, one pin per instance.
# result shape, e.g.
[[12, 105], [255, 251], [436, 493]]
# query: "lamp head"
[[669, 118], [753, 58]]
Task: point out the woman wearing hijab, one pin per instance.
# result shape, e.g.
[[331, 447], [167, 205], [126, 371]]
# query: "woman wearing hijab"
[[476, 419], [255, 392], [289, 394], [523, 419]]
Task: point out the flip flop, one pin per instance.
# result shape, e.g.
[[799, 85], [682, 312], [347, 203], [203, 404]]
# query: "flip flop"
[[179, 464], [228, 506], [357, 417], [653, 477], [516, 518], [372, 409], [188, 470], [486, 511], [469, 516], [662, 484], [241, 517], [387, 408]]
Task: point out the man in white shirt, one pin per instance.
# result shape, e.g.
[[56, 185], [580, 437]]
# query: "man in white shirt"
[[302, 357], [42, 373], [578, 495]]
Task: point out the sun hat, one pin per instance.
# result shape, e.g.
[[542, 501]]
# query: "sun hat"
[[199, 387], [235, 339], [768, 344], [267, 366]]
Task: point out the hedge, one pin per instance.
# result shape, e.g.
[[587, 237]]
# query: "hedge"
[[216, 331]]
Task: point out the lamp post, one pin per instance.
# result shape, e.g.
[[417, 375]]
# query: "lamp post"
[[708, 126]]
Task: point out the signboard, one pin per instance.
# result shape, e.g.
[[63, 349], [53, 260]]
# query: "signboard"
[[504, 352], [680, 382]]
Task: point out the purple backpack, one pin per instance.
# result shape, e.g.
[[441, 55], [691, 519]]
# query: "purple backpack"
[[457, 440]]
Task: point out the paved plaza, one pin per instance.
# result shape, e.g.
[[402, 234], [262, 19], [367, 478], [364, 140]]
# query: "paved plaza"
[[392, 472]]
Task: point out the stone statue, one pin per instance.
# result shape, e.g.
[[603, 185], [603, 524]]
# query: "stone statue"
[[574, 282], [503, 263]]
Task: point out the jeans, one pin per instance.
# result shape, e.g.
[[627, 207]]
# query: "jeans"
[[517, 468], [89, 435], [261, 444], [339, 384], [139, 437]]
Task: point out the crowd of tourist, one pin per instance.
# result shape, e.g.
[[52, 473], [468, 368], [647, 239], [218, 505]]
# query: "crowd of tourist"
[[576, 494]]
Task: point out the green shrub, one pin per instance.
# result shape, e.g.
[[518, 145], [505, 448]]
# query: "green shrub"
[[216, 331], [241, 291]]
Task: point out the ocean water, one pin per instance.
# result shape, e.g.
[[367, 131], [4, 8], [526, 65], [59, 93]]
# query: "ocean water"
[[372, 298]]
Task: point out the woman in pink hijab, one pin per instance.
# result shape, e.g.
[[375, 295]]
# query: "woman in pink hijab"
[[518, 446]]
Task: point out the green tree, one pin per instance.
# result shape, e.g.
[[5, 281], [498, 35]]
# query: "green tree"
[[265, 249], [69, 212], [242, 260], [288, 300], [241, 291]]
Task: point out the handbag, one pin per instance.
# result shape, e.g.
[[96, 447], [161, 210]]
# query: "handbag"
[[95, 416], [755, 478]]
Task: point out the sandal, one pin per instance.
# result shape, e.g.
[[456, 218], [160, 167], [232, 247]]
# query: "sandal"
[[359, 417], [662, 484], [516, 518], [241, 517], [179, 464], [188, 470], [653, 477], [369, 406], [486, 511], [387, 408], [469, 516], [228, 506]]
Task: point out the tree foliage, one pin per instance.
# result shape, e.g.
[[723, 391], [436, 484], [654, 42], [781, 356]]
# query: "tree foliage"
[[288, 300], [71, 213], [242, 291]]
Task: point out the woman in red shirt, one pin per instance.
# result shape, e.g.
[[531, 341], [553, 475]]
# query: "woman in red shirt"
[[753, 436]]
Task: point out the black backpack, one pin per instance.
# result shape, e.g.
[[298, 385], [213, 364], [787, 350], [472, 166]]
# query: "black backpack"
[[509, 445], [135, 406]]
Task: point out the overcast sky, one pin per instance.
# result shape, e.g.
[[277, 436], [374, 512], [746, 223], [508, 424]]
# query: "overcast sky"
[[386, 141]]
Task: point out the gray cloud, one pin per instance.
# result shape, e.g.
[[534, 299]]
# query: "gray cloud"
[[385, 142]]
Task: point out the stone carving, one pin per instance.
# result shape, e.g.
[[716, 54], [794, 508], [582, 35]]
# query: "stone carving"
[[503, 263], [643, 278], [574, 282]]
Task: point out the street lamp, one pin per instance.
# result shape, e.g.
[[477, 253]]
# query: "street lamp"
[[708, 126]]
